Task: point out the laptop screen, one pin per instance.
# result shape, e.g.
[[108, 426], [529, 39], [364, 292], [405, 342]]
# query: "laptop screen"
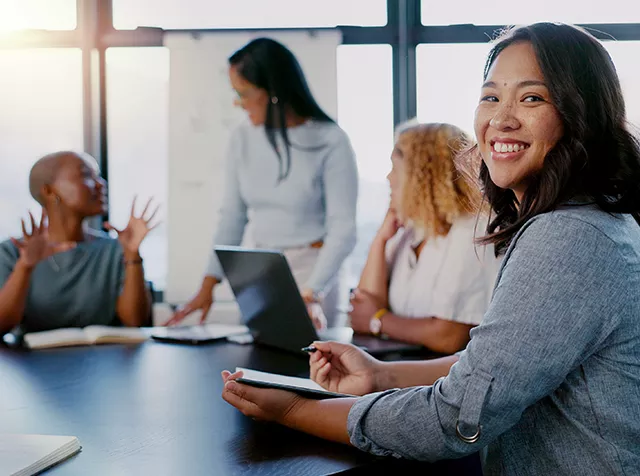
[[268, 297]]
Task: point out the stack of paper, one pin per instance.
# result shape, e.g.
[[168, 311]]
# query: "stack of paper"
[[26, 455], [304, 386]]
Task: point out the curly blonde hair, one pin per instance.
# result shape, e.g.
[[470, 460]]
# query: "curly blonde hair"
[[435, 192]]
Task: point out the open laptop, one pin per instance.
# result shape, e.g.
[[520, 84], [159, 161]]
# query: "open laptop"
[[273, 309]]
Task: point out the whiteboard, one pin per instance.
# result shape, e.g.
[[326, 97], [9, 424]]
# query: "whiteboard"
[[201, 117]]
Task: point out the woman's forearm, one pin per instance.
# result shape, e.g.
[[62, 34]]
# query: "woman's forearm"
[[438, 335], [134, 303], [375, 275], [405, 374], [333, 424], [209, 283], [13, 297]]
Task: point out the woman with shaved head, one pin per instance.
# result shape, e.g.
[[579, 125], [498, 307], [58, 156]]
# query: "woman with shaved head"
[[60, 273]]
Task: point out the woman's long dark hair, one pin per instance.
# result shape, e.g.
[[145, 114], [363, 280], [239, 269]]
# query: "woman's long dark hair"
[[597, 159], [269, 65]]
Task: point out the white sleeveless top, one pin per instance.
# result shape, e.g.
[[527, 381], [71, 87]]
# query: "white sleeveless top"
[[452, 279]]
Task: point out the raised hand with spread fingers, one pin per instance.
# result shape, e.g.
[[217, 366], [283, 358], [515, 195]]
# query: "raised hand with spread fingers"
[[35, 246], [134, 302], [137, 229]]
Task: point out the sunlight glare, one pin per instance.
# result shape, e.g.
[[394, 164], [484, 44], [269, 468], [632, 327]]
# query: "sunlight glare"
[[37, 14]]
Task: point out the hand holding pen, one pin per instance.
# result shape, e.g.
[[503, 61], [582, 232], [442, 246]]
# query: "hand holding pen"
[[343, 368]]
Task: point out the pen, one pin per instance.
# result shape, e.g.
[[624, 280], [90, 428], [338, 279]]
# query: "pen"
[[309, 349]]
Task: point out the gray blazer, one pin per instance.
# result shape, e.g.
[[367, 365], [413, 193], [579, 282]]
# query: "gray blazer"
[[550, 381]]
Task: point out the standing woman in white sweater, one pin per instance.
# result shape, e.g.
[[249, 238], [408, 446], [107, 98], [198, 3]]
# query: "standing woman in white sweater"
[[293, 171]]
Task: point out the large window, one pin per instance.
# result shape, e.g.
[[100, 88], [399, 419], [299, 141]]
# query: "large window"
[[625, 56], [449, 77], [496, 12], [41, 104], [365, 112], [37, 14], [180, 14], [138, 119]]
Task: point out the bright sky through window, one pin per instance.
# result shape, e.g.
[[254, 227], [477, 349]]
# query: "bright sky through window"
[[37, 14]]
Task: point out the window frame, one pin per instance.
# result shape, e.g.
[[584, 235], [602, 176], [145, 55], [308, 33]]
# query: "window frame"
[[404, 31]]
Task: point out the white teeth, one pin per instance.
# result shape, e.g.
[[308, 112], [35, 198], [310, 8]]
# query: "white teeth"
[[510, 147]]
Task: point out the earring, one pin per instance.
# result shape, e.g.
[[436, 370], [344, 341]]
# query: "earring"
[[274, 100]]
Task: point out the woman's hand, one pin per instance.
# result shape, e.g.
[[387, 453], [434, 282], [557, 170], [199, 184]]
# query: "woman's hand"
[[136, 230], [36, 246], [317, 316], [389, 226], [203, 301], [260, 403], [363, 307], [344, 368], [314, 309]]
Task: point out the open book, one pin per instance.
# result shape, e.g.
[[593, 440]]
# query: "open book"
[[304, 386], [87, 336], [130, 335], [198, 334], [25, 455]]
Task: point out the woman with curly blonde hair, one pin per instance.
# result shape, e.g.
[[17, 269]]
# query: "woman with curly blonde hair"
[[425, 281]]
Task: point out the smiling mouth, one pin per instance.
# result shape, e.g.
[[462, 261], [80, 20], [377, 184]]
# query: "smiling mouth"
[[508, 147]]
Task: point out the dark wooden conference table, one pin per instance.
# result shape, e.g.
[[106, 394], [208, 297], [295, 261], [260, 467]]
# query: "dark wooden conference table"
[[155, 409]]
